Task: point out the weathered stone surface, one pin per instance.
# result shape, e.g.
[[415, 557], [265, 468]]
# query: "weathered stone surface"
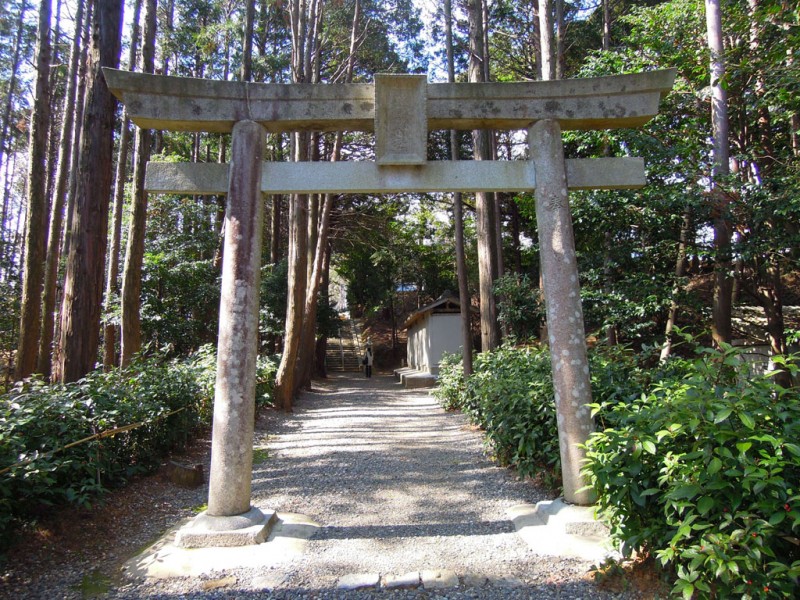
[[472, 580], [359, 581], [215, 584], [190, 476], [208, 531], [434, 580], [401, 125], [370, 178], [555, 528], [234, 392], [563, 305], [269, 581], [185, 104], [406, 581], [417, 379], [509, 581]]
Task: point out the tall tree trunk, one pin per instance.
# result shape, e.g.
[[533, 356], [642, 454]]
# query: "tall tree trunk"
[[458, 217], [723, 282], [36, 221], [80, 105], [275, 229], [134, 251], [247, 54], [298, 223], [561, 65], [83, 288], [55, 121], [59, 199], [547, 70], [319, 226], [112, 277], [168, 29], [305, 363], [680, 271], [487, 265], [12, 87]]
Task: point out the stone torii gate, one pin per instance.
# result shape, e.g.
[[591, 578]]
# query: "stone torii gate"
[[400, 109]]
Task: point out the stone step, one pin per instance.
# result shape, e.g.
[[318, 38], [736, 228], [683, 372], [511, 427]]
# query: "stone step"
[[427, 580]]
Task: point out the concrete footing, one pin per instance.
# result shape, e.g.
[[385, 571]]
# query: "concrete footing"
[[205, 531], [556, 528]]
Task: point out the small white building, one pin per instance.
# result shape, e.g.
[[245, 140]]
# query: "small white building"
[[433, 330]]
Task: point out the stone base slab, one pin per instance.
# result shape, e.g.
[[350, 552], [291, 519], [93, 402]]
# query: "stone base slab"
[[556, 528], [165, 560], [207, 531]]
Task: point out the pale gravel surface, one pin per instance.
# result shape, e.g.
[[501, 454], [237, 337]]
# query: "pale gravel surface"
[[397, 485]]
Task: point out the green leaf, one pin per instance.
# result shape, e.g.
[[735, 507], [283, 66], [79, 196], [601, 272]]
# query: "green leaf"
[[714, 465], [649, 446], [686, 491], [688, 591], [793, 448], [723, 414], [744, 446], [747, 420], [777, 518], [705, 504]]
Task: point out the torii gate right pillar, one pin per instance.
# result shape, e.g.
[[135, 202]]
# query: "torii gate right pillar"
[[562, 299]]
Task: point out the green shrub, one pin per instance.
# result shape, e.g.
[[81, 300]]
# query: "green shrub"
[[520, 308], [702, 471], [510, 396], [450, 389], [50, 450]]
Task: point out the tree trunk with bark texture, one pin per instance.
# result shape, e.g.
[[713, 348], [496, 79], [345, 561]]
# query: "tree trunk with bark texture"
[[547, 70], [83, 289], [112, 283], [490, 331], [36, 220], [680, 271], [134, 252], [723, 282], [59, 199], [458, 218]]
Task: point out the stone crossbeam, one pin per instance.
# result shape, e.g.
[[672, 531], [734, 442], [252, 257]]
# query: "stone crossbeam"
[[186, 104], [370, 178]]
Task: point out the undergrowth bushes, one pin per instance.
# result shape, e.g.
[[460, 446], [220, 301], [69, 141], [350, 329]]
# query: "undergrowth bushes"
[[510, 397], [695, 462], [702, 471], [46, 458]]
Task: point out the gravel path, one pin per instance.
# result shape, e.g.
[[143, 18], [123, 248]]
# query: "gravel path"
[[398, 486]]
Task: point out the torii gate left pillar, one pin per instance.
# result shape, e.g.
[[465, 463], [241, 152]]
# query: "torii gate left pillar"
[[230, 520]]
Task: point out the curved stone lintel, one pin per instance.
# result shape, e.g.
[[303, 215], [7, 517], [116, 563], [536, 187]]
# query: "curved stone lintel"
[[187, 104]]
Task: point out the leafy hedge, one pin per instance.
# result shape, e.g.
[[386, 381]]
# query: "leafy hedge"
[[703, 471], [510, 397], [695, 461], [45, 458]]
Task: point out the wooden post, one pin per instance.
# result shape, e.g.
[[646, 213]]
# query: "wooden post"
[[563, 303]]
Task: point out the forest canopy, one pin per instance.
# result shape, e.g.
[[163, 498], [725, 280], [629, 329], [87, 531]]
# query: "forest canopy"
[[92, 271]]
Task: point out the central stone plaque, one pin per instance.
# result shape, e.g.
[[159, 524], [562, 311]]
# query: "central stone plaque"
[[401, 120]]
